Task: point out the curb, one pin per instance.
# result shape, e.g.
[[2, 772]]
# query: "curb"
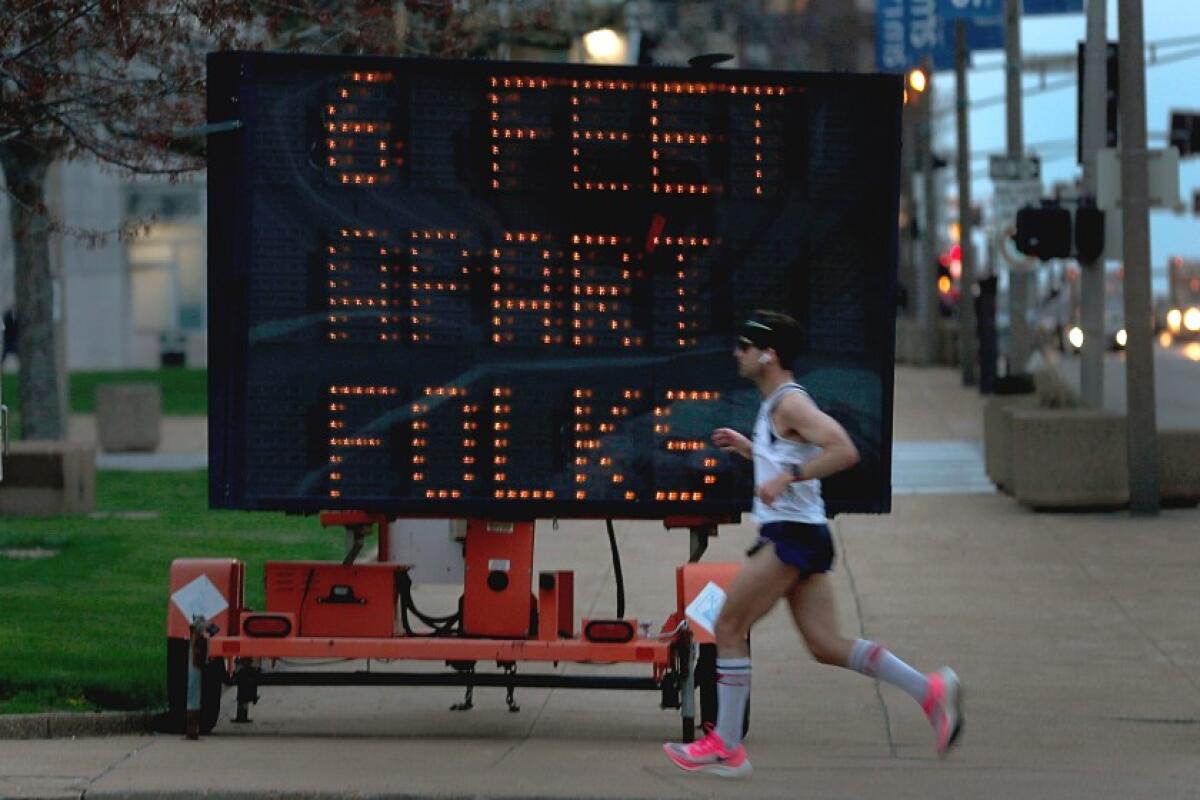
[[65, 724], [348, 795]]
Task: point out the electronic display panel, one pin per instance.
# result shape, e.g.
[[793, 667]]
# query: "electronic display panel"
[[452, 288]]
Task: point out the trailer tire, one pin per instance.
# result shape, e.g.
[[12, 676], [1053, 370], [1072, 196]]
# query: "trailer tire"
[[212, 685], [706, 681]]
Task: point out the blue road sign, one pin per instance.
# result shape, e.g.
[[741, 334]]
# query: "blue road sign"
[[971, 9], [906, 31], [1036, 7]]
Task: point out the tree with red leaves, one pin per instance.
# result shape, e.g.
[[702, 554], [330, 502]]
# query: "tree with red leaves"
[[121, 82]]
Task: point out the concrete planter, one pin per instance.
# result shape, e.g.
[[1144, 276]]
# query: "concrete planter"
[[1069, 458], [128, 417], [1179, 466], [43, 479], [997, 435]]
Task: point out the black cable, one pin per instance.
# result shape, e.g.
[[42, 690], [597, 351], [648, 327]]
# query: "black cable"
[[616, 556], [300, 611], [441, 626]]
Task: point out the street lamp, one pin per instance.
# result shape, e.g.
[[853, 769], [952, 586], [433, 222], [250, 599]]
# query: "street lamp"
[[605, 46], [917, 80]]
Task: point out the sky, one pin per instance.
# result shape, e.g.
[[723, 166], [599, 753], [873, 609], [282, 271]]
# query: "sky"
[[1050, 116]]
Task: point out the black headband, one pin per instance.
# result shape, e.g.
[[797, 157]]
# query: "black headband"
[[759, 334]]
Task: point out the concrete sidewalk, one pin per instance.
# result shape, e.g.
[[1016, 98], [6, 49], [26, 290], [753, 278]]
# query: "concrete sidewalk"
[[1077, 637]]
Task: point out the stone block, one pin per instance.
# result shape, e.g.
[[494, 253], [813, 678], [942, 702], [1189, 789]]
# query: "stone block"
[[128, 416], [913, 345], [48, 478], [1053, 390], [1179, 466], [997, 435], [910, 343], [1069, 458], [947, 345]]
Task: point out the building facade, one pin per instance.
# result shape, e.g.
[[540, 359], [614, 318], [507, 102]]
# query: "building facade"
[[123, 303]]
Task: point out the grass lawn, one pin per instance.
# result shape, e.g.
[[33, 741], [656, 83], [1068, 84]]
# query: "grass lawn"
[[184, 391], [86, 628]]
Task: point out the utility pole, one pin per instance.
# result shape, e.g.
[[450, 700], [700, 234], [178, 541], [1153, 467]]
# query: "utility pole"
[[966, 295], [908, 168], [1135, 230], [926, 274], [1094, 129], [1018, 280]]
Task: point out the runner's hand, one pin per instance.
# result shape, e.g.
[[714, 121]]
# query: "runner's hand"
[[773, 489], [730, 441]]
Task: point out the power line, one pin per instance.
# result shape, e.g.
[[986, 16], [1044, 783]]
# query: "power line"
[[1037, 148], [1061, 84], [1151, 53]]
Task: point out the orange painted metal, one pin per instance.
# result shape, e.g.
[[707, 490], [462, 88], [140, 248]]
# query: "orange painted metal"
[[593, 630], [333, 599], [288, 618], [228, 575], [497, 607], [556, 605], [498, 579], [683, 521], [690, 579], [442, 648]]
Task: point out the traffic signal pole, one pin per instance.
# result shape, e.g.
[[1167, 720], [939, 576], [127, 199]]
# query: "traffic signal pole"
[[967, 349], [1018, 280], [1135, 229], [1092, 300], [926, 272]]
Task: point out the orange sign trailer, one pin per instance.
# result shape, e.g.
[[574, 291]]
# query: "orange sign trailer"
[[347, 610]]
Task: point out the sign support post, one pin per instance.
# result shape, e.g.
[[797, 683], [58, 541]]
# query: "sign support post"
[[1135, 227]]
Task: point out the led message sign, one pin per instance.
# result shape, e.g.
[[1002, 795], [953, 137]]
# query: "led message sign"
[[499, 289]]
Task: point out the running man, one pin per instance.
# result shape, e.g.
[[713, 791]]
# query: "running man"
[[795, 446]]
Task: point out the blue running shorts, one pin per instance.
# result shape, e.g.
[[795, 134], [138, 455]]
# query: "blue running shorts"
[[803, 545]]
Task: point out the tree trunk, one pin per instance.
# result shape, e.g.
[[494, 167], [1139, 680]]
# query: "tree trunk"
[[25, 170]]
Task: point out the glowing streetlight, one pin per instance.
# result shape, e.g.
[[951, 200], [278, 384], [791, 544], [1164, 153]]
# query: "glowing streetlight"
[[917, 80], [605, 46]]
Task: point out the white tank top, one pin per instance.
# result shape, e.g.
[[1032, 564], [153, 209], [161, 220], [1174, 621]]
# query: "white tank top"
[[773, 455]]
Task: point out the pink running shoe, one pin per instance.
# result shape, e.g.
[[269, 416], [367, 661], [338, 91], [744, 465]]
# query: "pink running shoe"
[[710, 755], [943, 707]]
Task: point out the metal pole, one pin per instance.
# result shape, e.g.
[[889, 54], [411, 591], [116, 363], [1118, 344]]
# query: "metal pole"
[[1135, 230], [907, 273], [197, 652], [967, 349], [1092, 300], [1018, 281], [926, 273]]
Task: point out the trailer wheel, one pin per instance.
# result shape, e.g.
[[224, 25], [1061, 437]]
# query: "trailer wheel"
[[706, 681], [212, 684]]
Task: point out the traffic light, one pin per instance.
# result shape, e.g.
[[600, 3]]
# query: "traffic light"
[[949, 269], [1089, 233], [1111, 99], [945, 289], [1048, 231], [1044, 232], [1185, 133]]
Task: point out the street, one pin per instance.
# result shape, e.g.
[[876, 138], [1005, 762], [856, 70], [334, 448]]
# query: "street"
[[1176, 383]]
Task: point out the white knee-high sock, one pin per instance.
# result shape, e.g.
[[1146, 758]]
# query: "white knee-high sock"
[[875, 661], [733, 692]]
